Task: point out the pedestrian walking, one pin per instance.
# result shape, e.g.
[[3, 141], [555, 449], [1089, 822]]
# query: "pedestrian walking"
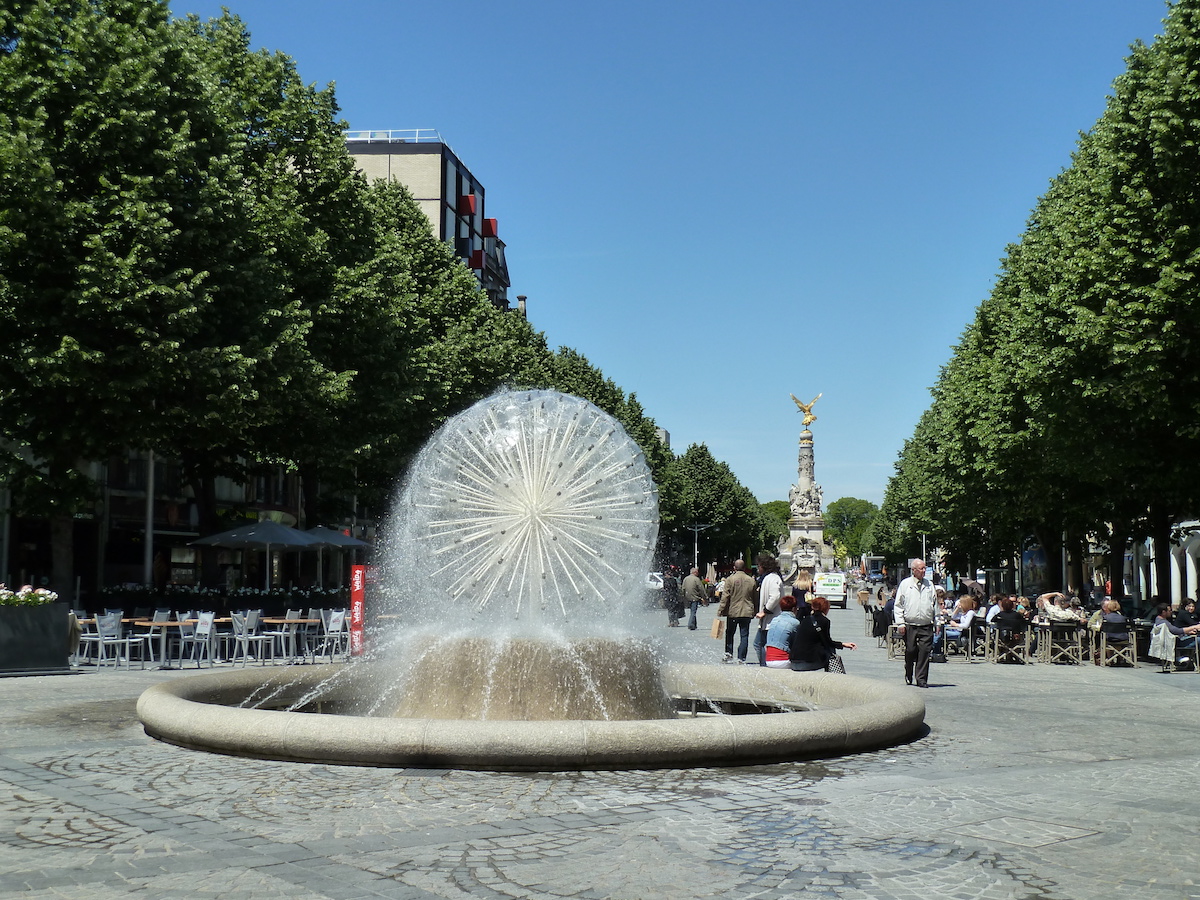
[[694, 593], [671, 599], [914, 612], [737, 604]]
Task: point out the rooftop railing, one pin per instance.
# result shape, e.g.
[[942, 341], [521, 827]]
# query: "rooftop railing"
[[396, 136]]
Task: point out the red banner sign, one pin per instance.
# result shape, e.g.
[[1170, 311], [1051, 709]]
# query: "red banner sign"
[[358, 608]]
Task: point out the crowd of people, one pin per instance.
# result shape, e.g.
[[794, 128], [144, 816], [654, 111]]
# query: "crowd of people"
[[793, 629], [952, 617]]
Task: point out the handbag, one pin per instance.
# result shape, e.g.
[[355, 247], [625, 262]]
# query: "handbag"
[[835, 664], [718, 628]]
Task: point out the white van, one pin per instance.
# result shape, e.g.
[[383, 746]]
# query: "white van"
[[831, 586]]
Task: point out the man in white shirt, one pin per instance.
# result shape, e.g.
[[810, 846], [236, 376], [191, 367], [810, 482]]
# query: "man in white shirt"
[[914, 612]]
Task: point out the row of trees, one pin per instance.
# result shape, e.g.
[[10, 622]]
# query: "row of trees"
[[190, 264], [1071, 404]]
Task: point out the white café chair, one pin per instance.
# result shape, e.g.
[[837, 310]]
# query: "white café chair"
[[154, 633], [203, 638], [245, 634], [284, 638], [180, 637], [335, 639], [89, 638], [113, 640]]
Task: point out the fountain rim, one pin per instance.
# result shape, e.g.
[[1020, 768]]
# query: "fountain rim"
[[845, 714]]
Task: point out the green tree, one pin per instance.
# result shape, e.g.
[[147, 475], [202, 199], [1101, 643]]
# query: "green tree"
[[704, 491], [847, 521], [1071, 402], [775, 515], [137, 299]]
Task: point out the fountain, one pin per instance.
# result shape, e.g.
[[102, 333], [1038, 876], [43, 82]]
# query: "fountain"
[[511, 566]]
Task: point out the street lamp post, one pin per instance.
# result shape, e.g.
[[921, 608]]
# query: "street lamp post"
[[696, 529]]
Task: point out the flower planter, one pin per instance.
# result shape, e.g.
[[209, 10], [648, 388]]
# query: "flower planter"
[[33, 639]]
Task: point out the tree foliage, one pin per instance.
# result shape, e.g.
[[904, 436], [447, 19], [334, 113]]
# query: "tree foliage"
[[847, 521], [775, 515], [702, 490], [191, 264], [1071, 403]]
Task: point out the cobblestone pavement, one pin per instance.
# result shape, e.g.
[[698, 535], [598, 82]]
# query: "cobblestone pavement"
[[1033, 782]]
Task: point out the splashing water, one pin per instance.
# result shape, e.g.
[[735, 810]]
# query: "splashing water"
[[523, 528]]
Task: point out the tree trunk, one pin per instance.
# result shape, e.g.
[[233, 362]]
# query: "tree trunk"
[[62, 556], [206, 509], [310, 490], [1077, 547], [1051, 542], [1160, 537], [1116, 560]]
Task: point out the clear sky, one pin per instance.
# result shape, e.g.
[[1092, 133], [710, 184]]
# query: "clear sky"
[[722, 204]]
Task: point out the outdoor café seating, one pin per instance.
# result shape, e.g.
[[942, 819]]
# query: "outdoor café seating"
[[1164, 646], [1117, 645], [182, 635], [1060, 642], [154, 632], [977, 638], [245, 635], [336, 640], [1008, 645], [113, 643], [880, 622], [285, 637], [203, 639], [895, 642]]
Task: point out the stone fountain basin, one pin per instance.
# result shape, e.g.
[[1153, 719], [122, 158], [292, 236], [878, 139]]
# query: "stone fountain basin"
[[835, 715]]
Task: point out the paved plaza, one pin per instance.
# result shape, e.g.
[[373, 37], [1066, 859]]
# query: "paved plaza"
[[1056, 782]]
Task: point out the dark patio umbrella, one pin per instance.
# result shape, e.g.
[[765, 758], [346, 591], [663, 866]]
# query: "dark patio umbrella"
[[262, 536], [331, 537], [974, 588]]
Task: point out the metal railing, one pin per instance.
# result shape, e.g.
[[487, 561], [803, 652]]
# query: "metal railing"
[[396, 136]]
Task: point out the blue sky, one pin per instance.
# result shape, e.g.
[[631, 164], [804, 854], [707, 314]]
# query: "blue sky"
[[720, 205]]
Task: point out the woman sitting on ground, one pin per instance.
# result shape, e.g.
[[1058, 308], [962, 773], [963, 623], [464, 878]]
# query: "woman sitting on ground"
[[780, 633], [811, 644]]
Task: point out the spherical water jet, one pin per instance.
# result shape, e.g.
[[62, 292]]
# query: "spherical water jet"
[[526, 523]]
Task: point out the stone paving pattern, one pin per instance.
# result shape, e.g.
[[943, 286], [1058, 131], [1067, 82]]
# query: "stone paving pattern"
[[1052, 782]]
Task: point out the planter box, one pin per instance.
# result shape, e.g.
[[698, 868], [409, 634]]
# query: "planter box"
[[33, 639]]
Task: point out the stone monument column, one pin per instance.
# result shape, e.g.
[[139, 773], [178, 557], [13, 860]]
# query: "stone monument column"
[[804, 546]]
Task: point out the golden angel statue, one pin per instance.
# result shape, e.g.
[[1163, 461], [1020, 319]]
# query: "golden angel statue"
[[806, 408]]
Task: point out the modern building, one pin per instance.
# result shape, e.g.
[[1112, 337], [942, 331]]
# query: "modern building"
[[450, 196]]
